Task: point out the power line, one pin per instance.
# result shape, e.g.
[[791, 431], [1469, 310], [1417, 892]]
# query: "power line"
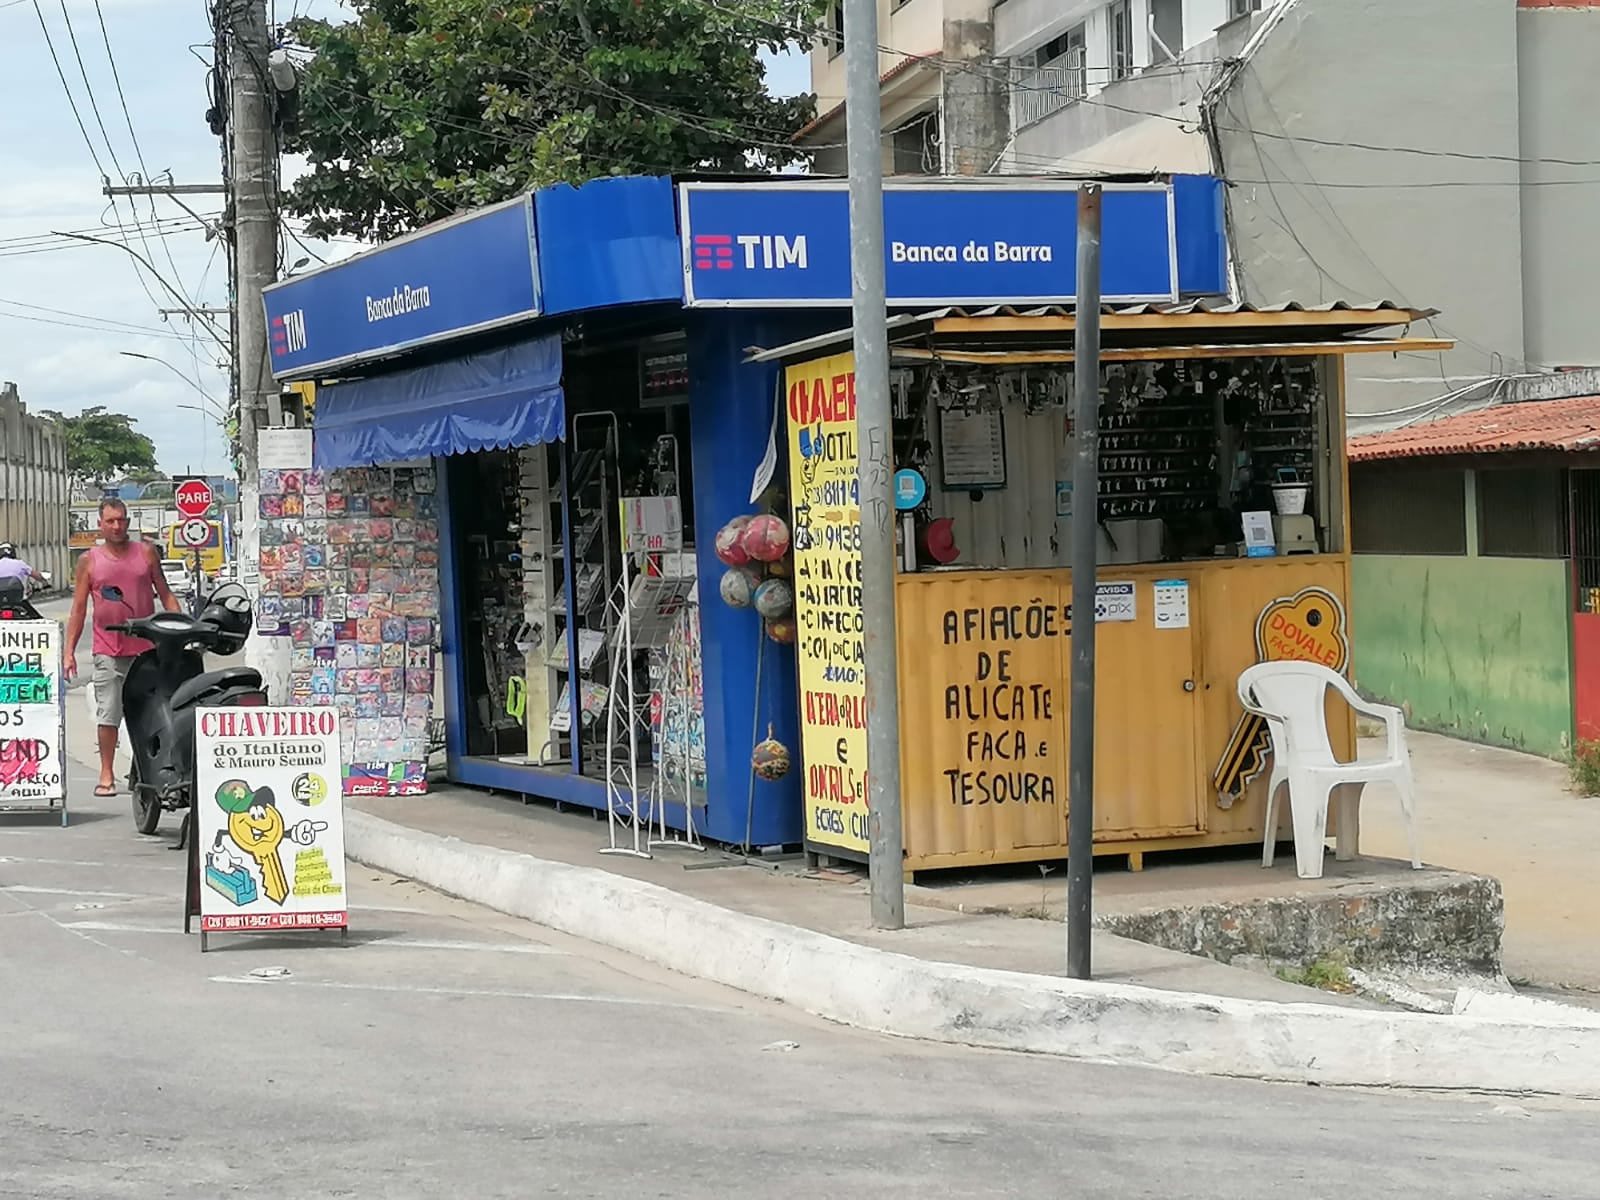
[[75, 241], [138, 150], [166, 225], [157, 333], [71, 101]]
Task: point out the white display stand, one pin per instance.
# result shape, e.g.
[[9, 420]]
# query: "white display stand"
[[33, 774]]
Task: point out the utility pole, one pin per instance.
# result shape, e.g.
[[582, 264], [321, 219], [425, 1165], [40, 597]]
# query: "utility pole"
[[1085, 527], [875, 462], [253, 181]]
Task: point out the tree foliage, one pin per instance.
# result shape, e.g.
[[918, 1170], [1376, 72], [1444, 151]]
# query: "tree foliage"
[[101, 444], [420, 108]]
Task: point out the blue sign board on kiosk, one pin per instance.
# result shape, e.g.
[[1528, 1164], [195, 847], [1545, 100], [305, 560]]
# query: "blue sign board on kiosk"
[[775, 245], [459, 277]]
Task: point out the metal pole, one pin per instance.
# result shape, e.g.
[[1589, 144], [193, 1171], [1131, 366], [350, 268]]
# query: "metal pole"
[[875, 461], [1085, 526]]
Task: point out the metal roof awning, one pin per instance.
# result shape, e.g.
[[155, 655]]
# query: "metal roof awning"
[[1196, 329]]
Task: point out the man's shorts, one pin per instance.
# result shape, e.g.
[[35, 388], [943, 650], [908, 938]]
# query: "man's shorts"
[[109, 672]]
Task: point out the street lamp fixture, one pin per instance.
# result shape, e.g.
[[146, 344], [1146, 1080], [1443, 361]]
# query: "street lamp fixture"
[[217, 410]]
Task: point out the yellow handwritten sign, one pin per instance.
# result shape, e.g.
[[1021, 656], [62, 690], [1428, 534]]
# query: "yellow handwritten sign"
[[1308, 626], [825, 494]]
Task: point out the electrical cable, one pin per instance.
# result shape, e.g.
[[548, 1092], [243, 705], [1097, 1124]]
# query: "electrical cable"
[[138, 150]]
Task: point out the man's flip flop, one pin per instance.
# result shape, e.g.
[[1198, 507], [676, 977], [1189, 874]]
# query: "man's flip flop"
[[105, 791]]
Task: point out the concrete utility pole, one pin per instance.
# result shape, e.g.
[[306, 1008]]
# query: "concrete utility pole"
[[1085, 527], [254, 152], [253, 179], [875, 462]]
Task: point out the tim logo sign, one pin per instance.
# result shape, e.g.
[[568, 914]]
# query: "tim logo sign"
[[289, 333], [752, 251]]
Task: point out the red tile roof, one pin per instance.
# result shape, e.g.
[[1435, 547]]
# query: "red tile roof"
[[1570, 425], [893, 73]]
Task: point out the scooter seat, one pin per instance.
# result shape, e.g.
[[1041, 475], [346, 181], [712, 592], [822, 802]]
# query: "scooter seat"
[[214, 681]]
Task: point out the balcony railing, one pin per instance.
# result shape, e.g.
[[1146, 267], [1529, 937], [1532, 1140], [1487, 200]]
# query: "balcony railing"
[[1036, 92]]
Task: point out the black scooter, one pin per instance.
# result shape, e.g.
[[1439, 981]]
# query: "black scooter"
[[168, 683], [14, 602]]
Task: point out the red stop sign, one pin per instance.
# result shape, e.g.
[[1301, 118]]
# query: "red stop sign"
[[193, 497]]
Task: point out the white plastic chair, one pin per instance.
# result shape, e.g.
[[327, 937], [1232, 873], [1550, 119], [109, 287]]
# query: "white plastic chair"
[[1291, 696]]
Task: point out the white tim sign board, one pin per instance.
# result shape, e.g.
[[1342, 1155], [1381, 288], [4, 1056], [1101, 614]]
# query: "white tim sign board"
[[269, 815], [32, 728]]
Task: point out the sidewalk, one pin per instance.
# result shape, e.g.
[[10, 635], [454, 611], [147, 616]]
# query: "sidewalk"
[[827, 902], [1514, 817]]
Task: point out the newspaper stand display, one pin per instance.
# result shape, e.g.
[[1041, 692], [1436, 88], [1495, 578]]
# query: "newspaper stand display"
[[33, 775], [267, 854]]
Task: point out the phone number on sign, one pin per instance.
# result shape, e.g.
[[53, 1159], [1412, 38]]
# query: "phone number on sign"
[[311, 920]]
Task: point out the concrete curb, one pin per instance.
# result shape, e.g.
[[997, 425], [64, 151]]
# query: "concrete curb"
[[897, 994]]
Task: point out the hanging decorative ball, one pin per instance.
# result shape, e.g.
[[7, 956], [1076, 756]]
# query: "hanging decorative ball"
[[783, 630], [728, 546], [770, 759], [738, 586], [765, 538], [774, 598]]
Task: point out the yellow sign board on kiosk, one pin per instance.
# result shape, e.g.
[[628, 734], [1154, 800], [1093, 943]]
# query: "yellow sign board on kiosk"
[[825, 495]]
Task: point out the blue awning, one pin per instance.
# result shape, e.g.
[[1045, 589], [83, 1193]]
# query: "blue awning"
[[508, 396]]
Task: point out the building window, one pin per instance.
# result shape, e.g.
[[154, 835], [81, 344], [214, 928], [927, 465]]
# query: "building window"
[[836, 28], [915, 146], [1522, 513], [1166, 30], [1120, 15], [1404, 508], [1242, 8]]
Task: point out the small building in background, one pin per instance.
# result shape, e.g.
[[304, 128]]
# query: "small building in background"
[[34, 486], [1475, 582]]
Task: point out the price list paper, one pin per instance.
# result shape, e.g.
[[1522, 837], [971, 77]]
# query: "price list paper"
[[825, 493]]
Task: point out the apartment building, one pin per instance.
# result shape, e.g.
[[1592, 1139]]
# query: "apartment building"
[[1435, 152], [943, 93]]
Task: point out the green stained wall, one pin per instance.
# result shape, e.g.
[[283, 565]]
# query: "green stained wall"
[[1478, 648]]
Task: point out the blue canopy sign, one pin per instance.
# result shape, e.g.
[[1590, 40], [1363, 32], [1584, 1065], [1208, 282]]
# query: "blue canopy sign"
[[462, 276], [788, 244]]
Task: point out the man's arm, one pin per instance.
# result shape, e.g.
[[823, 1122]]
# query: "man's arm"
[[80, 610], [163, 589]]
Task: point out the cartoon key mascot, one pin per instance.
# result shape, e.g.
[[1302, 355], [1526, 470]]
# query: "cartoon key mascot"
[[256, 826]]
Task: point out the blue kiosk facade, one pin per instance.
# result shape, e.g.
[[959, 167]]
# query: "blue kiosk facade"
[[517, 346]]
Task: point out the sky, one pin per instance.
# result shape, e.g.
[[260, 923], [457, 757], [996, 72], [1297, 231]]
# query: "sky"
[[73, 314]]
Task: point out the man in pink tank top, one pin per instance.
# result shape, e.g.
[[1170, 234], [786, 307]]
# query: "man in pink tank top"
[[125, 580]]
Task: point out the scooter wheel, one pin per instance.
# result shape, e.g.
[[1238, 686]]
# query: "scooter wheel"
[[146, 808]]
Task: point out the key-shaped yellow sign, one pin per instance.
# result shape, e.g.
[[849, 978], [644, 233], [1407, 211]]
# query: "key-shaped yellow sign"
[[256, 827], [1308, 626]]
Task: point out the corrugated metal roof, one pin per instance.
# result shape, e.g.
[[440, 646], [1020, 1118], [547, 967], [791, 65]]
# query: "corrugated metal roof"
[[1384, 313], [1563, 425], [1210, 304]]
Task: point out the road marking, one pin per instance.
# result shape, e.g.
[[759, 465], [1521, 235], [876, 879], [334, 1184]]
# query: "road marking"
[[486, 993], [44, 891], [79, 862], [447, 944], [393, 943]]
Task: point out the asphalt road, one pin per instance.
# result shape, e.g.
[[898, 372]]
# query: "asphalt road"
[[448, 1051]]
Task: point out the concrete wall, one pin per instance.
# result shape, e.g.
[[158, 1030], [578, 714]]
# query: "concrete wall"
[[1479, 648], [1316, 221], [1145, 123], [1558, 45], [34, 487]]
